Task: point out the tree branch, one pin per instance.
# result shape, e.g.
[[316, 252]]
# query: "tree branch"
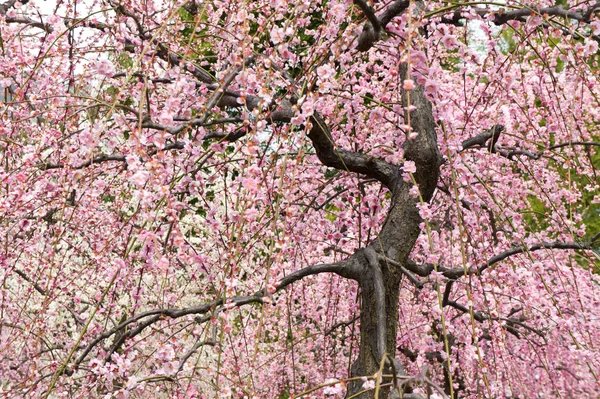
[[510, 322], [35, 285], [481, 139], [584, 143], [349, 161], [341, 324], [395, 9], [414, 268], [198, 345], [459, 272], [369, 13], [346, 268], [502, 16], [558, 11], [371, 32], [447, 291]]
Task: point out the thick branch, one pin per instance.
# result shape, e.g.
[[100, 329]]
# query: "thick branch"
[[371, 32], [419, 270], [370, 14], [426, 269], [459, 272], [481, 139], [395, 9], [349, 161], [558, 11], [502, 17], [345, 268]]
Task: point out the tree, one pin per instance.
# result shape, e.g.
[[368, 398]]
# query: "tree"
[[299, 199]]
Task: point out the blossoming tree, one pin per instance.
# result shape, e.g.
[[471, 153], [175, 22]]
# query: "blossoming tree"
[[279, 199]]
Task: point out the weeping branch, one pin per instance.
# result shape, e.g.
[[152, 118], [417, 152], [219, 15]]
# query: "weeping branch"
[[459, 272], [501, 17], [346, 268], [510, 325], [426, 269]]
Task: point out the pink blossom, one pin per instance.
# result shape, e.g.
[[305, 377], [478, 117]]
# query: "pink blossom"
[[298, 120], [140, 178], [250, 184], [121, 394], [590, 47], [409, 167], [308, 107], [449, 42], [165, 353], [105, 68], [431, 87], [187, 233], [325, 72], [277, 35], [334, 388], [367, 384]]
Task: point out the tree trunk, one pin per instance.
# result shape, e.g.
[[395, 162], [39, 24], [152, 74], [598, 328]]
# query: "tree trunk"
[[368, 361], [395, 241]]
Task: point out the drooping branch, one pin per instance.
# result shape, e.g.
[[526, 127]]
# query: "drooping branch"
[[489, 138], [96, 160], [425, 269], [70, 23], [511, 152], [519, 14], [459, 272], [571, 143], [176, 145], [346, 323], [346, 268], [502, 16], [209, 342], [510, 321]]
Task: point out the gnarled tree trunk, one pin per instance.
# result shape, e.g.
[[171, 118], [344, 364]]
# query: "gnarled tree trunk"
[[395, 242]]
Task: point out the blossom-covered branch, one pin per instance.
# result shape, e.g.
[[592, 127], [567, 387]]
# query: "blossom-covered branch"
[[145, 319]]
